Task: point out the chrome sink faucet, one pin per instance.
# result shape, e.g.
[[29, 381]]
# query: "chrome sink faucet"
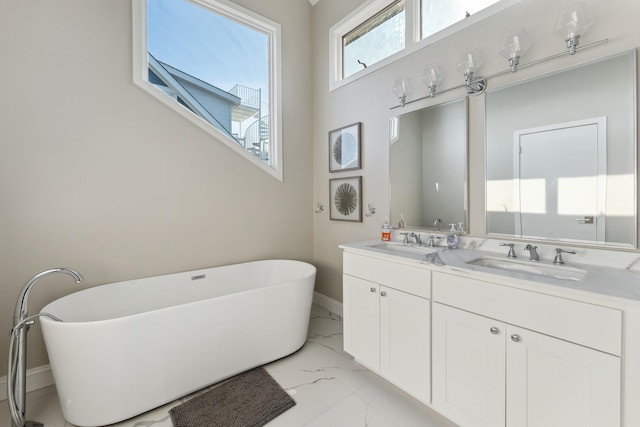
[[558, 259], [437, 224], [417, 238], [405, 238], [533, 254]]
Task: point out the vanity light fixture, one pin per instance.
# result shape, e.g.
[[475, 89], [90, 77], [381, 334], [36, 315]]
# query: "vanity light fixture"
[[573, 22], [432, 77], [468, 63], [401, 89], [513, 45]]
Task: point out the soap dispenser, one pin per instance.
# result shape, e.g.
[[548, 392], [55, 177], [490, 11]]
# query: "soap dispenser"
[[452, 237], [386, 231]]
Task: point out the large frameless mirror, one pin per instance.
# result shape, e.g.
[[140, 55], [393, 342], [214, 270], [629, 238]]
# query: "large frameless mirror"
[[561, 155], [428, 167]]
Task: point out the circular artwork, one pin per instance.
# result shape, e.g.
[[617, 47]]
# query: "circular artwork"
[[346, 199], [345, 149]]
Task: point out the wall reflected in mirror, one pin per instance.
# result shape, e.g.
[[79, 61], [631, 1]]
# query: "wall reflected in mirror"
[[428, 167], [561, 156]]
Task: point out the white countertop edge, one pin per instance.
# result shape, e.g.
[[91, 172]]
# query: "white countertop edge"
[[614, 286]]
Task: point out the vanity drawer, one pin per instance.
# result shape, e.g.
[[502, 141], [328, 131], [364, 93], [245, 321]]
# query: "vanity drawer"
[[582, 323], [406, 278]]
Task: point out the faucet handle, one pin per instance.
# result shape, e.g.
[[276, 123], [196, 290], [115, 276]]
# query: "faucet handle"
[[405, 239], [558, 258], [512, 252]]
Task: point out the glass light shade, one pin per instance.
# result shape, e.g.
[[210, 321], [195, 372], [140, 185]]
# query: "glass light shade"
[[469, 62], [573, 21], [432, 75], [514, 44], [401, 87]]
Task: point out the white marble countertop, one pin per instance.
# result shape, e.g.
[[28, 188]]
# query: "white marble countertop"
[[618, 282]]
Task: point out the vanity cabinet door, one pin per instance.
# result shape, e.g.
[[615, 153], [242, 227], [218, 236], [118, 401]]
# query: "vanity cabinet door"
[[405, 341], [468, 367], [362, 320], [554, 383]]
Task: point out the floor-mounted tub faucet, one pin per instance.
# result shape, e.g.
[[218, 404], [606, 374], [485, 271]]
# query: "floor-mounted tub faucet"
[[16, 375]]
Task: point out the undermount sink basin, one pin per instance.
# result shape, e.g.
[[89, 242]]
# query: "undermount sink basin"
[[402, 248], [530, 267]]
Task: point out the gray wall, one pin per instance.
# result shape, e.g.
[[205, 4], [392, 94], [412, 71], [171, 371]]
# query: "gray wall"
[[97, 175]]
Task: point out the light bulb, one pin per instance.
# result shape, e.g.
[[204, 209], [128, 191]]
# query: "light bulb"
[[513, 45], [401, 89], [469, 62], [432, 77], [572, 23]]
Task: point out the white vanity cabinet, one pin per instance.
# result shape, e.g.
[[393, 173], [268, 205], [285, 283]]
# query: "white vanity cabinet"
[[387, 320], [508, 357]]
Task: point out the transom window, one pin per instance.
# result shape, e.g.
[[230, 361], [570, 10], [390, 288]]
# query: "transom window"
[[381, 31], [218, 65], [436, 15], [375, 39]]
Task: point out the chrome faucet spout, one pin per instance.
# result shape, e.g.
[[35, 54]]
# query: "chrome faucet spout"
[[417, 238], [20, 311], [533, 253]]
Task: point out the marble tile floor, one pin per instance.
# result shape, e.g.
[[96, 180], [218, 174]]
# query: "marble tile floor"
[[329, 387]]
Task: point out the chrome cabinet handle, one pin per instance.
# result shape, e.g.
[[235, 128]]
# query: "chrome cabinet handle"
[[373, 289], [494, 330], [383, 294], [515, 338]]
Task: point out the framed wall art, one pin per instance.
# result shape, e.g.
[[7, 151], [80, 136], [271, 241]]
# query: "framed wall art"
[[346, 199], [344, 148]]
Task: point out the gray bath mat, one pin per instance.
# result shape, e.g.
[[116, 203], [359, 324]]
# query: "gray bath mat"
[[250, 399]]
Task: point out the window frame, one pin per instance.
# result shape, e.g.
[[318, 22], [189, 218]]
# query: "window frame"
[[245, 17], [413, 40]]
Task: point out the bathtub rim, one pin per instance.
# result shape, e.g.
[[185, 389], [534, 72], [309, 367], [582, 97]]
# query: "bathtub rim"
[[312, 272]]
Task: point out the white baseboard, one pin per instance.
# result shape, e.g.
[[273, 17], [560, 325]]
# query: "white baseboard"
[[37, 378], [327, 303]]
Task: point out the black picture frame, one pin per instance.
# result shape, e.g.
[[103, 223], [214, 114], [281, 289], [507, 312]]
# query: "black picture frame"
[[345, 148], [346, 199]]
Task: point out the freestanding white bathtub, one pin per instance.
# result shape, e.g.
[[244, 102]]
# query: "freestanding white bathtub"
[[125, 348]]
